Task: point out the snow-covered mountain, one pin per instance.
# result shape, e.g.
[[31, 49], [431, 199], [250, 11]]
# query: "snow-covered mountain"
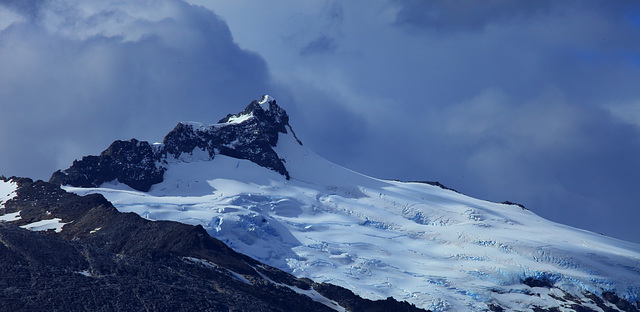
[[251, 183]]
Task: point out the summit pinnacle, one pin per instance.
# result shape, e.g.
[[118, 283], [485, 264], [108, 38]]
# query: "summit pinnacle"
[[250, 134]]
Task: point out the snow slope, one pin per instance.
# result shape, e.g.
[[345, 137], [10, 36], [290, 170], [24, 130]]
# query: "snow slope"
[[433, 247], [7, 191]]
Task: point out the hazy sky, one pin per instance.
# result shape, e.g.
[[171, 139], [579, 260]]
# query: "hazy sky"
[[536, 102]]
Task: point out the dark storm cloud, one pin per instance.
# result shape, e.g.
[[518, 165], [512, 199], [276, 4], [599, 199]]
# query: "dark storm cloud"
[[465, 14], [525, 106], [28, 8], [565, 161], [86, 73], [529, 102], [469, 15]]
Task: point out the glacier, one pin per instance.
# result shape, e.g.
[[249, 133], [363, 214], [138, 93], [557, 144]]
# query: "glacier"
[[431, 246]]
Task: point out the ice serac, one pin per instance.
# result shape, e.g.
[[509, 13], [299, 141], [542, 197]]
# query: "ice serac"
[[251, 134]]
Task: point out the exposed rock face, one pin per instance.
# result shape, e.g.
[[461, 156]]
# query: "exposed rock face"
[[130, 162], [104, 260], [250, 134], [45, 273]]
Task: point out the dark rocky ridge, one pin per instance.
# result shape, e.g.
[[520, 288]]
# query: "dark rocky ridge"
[[140, 165], [105, 260]]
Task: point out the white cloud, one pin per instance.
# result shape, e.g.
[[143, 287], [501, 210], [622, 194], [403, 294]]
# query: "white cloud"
[[77, 75]]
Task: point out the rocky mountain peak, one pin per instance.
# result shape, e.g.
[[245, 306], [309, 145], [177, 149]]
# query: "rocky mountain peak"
[[250, 134]]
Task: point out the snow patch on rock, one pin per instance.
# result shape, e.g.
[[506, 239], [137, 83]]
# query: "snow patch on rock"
[[14, 216], [7, 191], [239, 119], [55, 224], [265, 102]]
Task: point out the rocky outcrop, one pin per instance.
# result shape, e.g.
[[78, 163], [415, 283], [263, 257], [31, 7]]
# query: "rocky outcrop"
[[134, 163], [251, 134], [42, 272]]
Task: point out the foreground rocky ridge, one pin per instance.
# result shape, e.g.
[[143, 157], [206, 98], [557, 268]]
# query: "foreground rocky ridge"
[[104, 260], [251, 134]]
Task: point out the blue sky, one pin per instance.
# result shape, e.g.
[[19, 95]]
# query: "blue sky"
[[532, 102]]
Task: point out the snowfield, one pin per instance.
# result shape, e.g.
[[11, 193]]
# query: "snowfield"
[[7, 192], [436, 248]]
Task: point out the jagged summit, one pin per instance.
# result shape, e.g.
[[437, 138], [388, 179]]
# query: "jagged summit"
[[250, 134]]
